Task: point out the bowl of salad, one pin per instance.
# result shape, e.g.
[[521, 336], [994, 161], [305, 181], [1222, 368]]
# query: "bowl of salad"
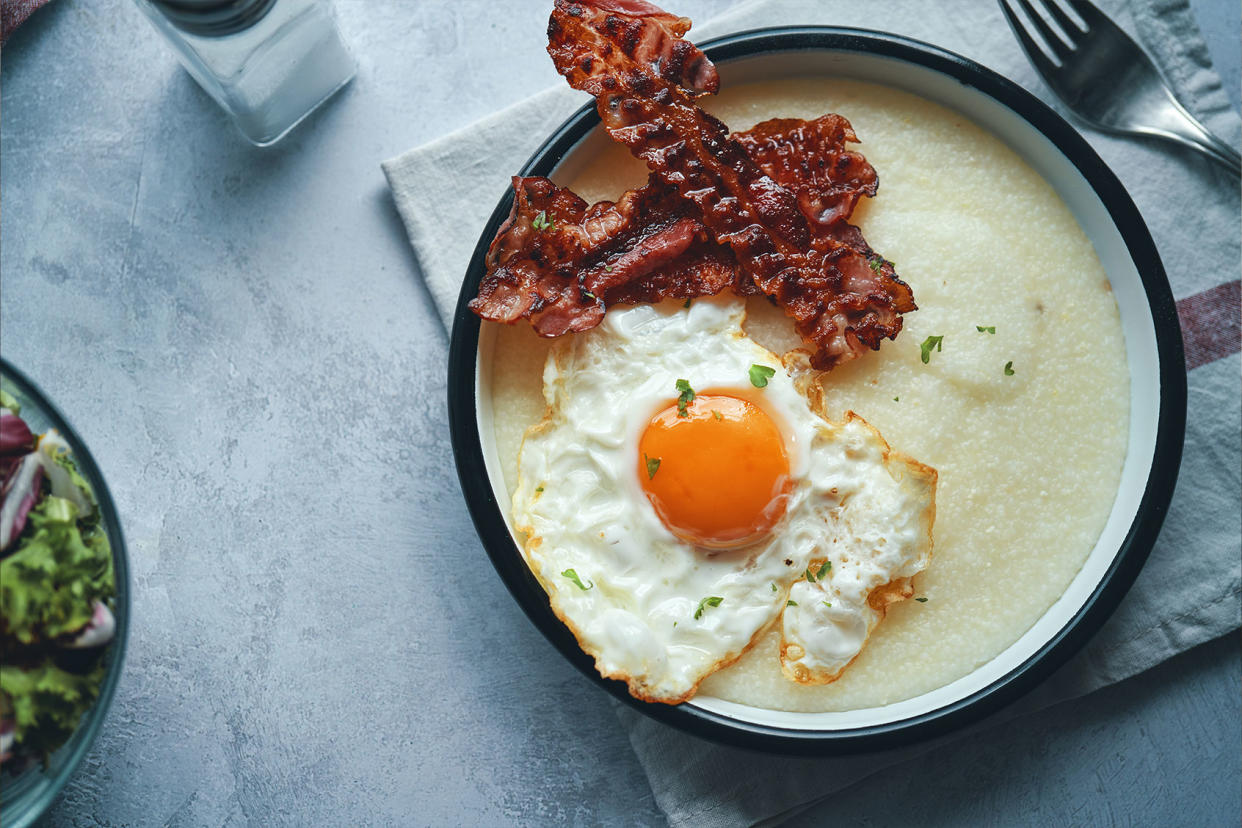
[[64, 599]]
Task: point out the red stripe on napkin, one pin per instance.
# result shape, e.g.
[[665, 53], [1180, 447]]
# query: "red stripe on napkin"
[[1211, 323]]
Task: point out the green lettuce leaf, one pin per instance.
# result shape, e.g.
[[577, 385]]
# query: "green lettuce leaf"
[[63, 475], [49, 585], [10, 402], [46, 703], [90, 521]]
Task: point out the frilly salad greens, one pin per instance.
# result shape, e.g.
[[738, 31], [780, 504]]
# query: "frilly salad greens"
[[56, 591]]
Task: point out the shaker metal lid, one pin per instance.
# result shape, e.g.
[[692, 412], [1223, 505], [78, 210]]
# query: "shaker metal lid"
[[213, 18]]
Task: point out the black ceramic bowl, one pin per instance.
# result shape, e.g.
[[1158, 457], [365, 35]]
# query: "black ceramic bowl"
[[1153, 349]]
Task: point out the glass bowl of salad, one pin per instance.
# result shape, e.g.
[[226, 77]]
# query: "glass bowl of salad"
[[64, 600]]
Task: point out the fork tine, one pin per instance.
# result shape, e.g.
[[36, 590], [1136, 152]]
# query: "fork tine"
[[1072, 30], [1054, 41], [1033, 50]]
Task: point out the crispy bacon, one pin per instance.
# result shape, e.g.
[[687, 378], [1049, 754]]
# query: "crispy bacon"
[[760, 211], [645, 35], [837, 299], [561, 263], [634, 250], [809, 159]]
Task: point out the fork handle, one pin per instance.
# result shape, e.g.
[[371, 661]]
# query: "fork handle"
[[1189, 132]]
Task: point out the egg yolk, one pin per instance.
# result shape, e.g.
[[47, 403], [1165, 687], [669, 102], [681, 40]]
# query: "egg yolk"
[[718, 475]]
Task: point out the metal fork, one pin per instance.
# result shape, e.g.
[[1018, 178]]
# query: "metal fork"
[[1105, 78]]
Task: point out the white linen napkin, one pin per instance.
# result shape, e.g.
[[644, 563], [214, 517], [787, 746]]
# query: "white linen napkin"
[[1191, 588]]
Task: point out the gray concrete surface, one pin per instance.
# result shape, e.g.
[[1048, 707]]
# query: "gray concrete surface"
[[241, 338]]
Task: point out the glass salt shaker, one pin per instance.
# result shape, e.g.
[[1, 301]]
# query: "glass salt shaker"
[[269, 63]]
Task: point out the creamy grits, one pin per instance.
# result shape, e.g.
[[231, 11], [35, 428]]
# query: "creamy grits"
[[1028, 461]]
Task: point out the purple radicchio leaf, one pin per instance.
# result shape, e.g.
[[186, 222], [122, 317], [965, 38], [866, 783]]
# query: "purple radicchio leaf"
[[21, 491], [16, 440], [97, 632]]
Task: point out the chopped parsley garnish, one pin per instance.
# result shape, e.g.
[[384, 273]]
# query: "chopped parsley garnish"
[[688, 301], [791, 603], [827, 604], [717, 414], [539, 490], [760, 374], [573, 576], [542, 222], [608, 268], [713, 601], [810, 577], [774, 589], [588, 294], [684, 398], [986, 328], [921, 599], [653, 465], [932, 342], [823, 570], [896, 399], [1009, 368], [877, 265]]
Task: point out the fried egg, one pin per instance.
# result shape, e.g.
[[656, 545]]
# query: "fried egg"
[[880, 539], [682, 493]]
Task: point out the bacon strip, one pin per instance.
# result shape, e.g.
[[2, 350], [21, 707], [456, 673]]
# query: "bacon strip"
[[838, 301], [809, 159], [561, 263], [760, 211], [634, 250], [645, 34]]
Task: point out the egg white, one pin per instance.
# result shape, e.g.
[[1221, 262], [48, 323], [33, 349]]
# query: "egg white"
[[637, 597], [878, 537]]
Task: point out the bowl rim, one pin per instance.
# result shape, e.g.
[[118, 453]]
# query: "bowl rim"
[[88, 729], [1114, 584]]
